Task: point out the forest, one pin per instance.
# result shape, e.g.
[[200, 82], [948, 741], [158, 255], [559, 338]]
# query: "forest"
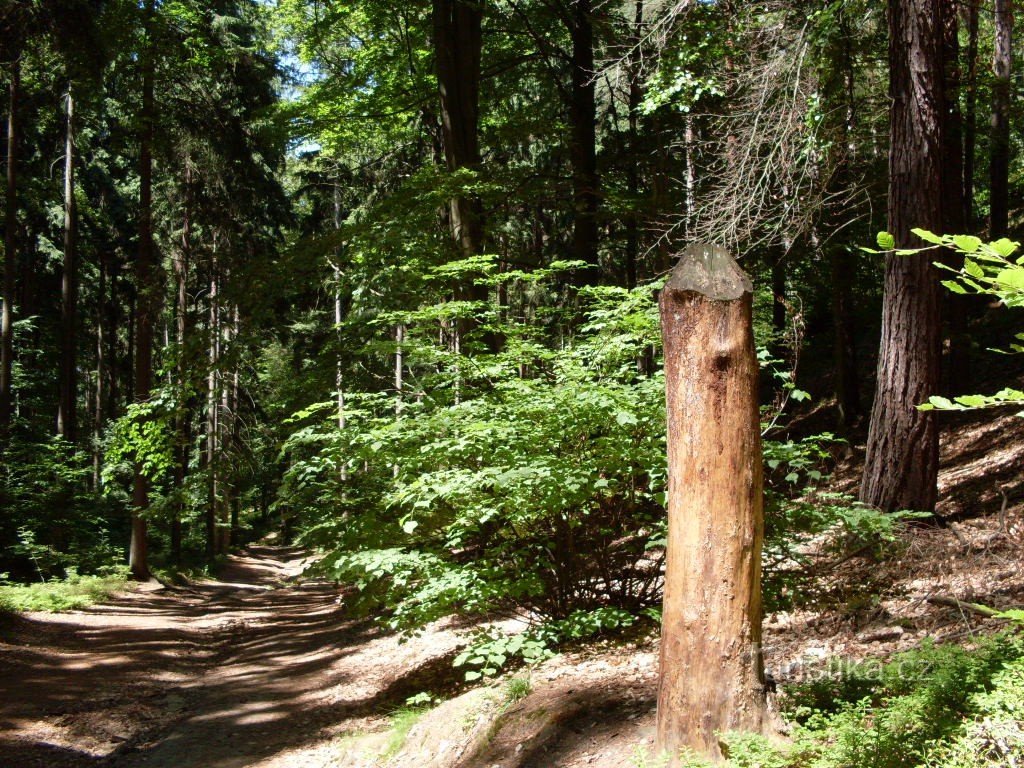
[[339, 425]]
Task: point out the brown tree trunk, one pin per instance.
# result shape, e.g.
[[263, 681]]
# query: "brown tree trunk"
[[1002, 69], [146, 299], [901, 466], [213, 416], [10, 256], [711, 678], [583, 142], [970, 111], [458, 45], [182, 416], [67, 421]]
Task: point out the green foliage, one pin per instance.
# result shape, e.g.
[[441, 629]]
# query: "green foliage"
[[921, 708], [68, 594], [517, 689], [402, 721]]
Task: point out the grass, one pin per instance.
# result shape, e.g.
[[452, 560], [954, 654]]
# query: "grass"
[[402, 721], [58, 595]]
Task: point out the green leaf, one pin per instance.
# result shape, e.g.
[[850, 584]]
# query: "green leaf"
[[967, 243], [928, 237], [885, 241], [1011, 277]]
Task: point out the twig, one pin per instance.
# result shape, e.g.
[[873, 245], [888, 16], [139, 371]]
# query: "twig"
[[952, 602]]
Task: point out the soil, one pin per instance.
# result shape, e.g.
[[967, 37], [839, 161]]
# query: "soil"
[[262, 669]]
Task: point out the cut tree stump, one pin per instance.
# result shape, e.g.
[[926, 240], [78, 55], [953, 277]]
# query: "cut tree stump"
[[712, 677]]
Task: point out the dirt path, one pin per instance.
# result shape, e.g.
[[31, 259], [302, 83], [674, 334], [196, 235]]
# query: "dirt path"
[[222, 674]]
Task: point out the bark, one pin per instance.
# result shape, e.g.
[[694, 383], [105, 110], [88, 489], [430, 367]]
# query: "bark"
[[146, 298], [1002, 70], [339, 378], [213, 414], [583, 142], [67, 425], [458, 45], [970, 111], [636, 93], [10, 256], [711, 677], [183, 416], [901, 465]]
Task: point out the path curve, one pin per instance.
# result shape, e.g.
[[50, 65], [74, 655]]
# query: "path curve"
[[236, 673]]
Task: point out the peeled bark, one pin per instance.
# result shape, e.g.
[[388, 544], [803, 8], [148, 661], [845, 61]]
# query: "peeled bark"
[[68, 400], [711, 678], [146, 300], [901, 466], [1002, 69], [10, 256]]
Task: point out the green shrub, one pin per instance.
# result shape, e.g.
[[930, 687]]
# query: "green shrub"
[[67, 594]]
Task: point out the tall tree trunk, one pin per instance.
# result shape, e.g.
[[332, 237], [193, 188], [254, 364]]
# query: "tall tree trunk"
[[902, 460], [1002, 69], [953, 219], [213, 415], [633, 169], [846, 382], [458, 44], [102, 367], [67, 422], [583, 142], [339, 315], [10, 256], [147, 295], [970, 111], [182, 414], [712, 678]]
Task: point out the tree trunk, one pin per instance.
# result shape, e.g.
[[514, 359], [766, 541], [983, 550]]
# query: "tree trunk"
[[10, 256], [213, 416], [458, 44], [902, 460], [970, 112], [147, 297], [182, 415], [711, 677], [68, 401], [1002, 69], [583, 143]]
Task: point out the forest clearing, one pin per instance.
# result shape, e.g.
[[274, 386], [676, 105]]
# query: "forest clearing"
[[519, 383]]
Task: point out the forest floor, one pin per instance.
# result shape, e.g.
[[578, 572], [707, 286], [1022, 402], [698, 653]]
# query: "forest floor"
[[261, 669]]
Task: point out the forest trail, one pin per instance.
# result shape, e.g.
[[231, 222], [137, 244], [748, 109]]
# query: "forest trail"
[[220, 674]]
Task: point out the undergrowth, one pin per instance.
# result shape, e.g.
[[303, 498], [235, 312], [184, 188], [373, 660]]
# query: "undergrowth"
[[67, 594], [936, 706]]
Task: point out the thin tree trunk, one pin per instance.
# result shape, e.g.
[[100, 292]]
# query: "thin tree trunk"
[[712, 678], [102, 366], [67, 421], [1002, 69], [633, 168], [147, 296], [212, 414], [583, 142], [901, 466], [182, 416], [970, 111], [10, 256], [339, 379]]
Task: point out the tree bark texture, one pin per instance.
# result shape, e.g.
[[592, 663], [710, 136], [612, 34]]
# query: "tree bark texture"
[[68, 399], [586, 181], [10, 256], [147, 299], [1002, 70], [458, 44], [711, 670], [902, 460]]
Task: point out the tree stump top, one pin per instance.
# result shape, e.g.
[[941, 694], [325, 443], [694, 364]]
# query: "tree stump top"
[[711, 271]]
